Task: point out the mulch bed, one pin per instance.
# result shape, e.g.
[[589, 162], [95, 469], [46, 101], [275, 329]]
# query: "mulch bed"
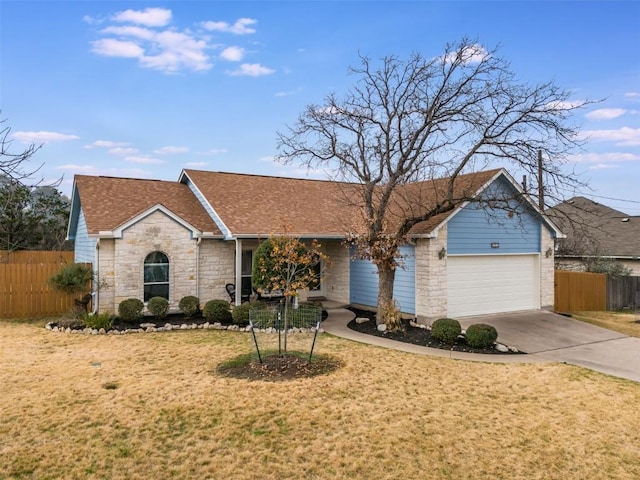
[[414, 335]]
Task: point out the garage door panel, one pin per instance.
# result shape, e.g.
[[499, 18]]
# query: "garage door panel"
[[492, 284]]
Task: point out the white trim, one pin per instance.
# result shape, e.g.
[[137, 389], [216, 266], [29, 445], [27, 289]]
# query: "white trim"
[[217, 219], [118, 231]]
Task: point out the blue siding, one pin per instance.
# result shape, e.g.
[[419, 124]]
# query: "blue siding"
[[475, 228], [84, 247], [364, 282]]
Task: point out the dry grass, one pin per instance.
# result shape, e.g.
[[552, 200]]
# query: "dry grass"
[[627, 323], [152, 406]]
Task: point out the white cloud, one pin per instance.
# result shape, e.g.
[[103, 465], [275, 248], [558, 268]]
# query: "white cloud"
[[123, 151], [170, 150], [145, 159], [241, 27], [167, 50], [214, 151], [632, 94], [106, 144], [606, 113], [251, 70], [602, 158], [77, 168], [625, 136], [603, 166], [111, 47], [289, 93], [475, 53], [150, 17], [565, 105], [130, 31], [232, 54], [42, 137]]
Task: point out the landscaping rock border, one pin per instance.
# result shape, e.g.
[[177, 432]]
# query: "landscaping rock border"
[[152, 327]]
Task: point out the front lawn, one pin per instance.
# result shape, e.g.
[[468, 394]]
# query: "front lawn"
[[153, 406], [626, 323]]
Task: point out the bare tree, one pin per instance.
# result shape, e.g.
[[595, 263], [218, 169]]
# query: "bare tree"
[[32, 215], [406, 122], [15, 166]]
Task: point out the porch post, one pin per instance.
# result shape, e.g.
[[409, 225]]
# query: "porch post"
[[238, 273]]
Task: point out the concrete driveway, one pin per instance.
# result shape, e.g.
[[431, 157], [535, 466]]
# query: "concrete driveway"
[[562, 339]]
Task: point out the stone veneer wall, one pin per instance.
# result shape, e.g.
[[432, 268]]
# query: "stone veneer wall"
[[217, 268], [336, 275], [157, 232], [106, 276], [547, 267], [431, 277]]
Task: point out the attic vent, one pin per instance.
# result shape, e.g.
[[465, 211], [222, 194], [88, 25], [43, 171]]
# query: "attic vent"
[[625, 219]]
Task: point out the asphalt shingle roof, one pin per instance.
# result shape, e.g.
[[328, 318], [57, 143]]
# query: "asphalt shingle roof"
[[601, 230], [262, 205], [109, 202]]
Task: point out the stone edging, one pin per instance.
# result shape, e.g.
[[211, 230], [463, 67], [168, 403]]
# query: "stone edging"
[[151, 327]]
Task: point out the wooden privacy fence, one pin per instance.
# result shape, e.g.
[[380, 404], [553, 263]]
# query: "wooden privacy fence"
[[623, 292], [579, 291], [24, 284]]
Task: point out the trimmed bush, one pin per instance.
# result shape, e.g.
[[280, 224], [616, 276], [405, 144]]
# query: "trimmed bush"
[[130, 309], [481, 335], [217, 311], [240, 313], [446, 330], [189, 306], [158, 307]]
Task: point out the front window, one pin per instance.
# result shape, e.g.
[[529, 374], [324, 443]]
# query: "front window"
[[156, 276]]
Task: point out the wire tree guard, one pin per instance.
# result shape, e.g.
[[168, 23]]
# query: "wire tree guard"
[[269, 318]]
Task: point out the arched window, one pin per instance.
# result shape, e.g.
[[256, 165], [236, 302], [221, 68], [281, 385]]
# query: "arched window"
[[156, 276]]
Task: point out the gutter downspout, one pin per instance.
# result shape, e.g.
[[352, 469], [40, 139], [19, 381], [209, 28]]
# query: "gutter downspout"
[[198, 266], [238, 272], [96, 286]]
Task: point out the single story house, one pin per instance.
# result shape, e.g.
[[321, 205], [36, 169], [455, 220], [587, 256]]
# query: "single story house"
[[595, 231], [194, 236]]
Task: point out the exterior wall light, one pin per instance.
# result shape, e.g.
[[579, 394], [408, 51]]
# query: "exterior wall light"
[[549, 252], [442, 253]]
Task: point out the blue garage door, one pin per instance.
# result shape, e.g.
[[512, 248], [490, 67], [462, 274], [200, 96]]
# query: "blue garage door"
[[364, 282]]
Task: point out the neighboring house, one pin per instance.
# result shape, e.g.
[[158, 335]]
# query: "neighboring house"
[[193, 236], [595, 231]]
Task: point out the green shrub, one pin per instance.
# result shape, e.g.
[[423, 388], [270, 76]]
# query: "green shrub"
[[72, 278], [446, 330], [217, 311], [189, 305], [130, 309], [481, 335], [240, 313], [158, 306], [99, 320]]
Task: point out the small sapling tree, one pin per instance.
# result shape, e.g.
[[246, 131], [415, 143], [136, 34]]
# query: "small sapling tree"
[[286, 264]]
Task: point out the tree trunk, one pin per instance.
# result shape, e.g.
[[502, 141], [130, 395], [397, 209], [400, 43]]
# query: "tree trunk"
[[386, 276]]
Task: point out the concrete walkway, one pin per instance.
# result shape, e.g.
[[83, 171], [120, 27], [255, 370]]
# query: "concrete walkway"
[[546, 337]]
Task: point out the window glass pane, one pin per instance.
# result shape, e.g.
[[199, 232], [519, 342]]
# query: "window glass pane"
[[156, 257], [157, 290], [247, 257], [156, 273]]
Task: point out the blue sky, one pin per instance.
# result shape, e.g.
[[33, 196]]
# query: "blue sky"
[[145, 89]]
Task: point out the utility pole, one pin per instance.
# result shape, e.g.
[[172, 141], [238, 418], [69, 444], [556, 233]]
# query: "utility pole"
[[540, 187]]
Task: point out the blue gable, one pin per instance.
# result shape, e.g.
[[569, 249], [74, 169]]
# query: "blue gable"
[[478, 229]]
